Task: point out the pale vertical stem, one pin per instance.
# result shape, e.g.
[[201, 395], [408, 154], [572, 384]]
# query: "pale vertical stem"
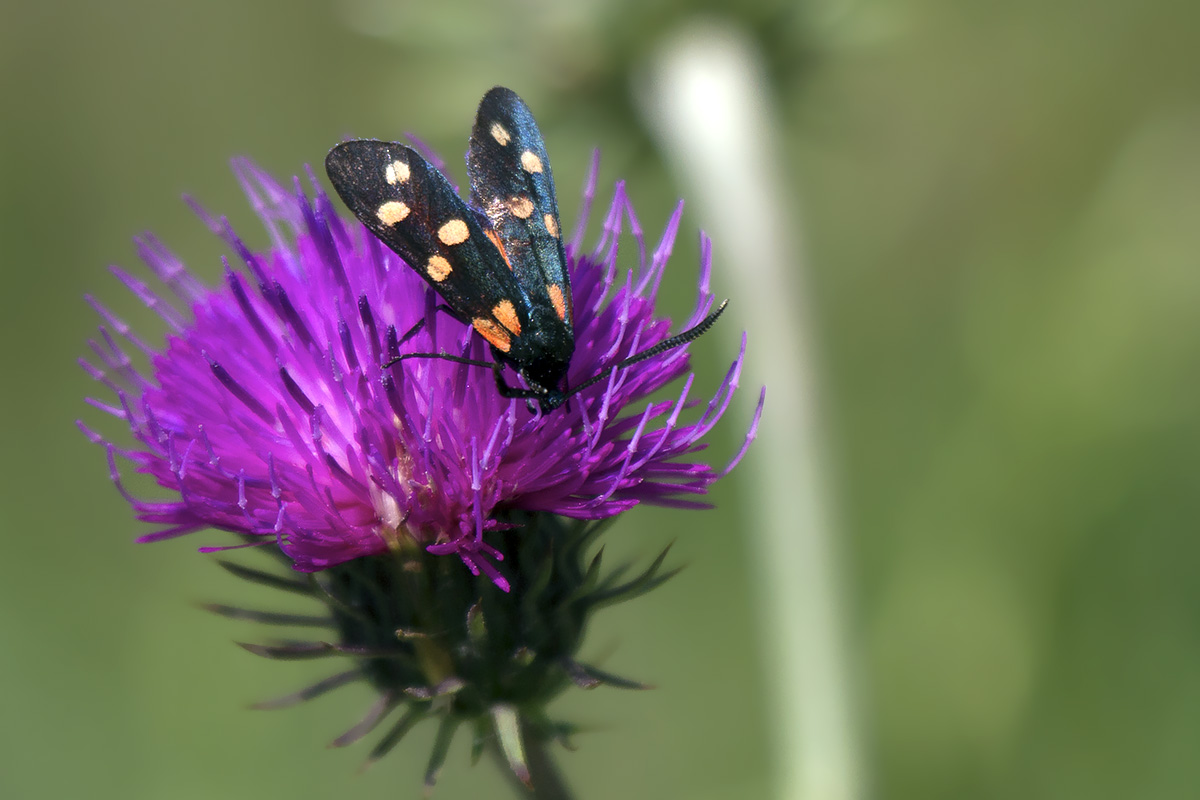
[[706, 98]]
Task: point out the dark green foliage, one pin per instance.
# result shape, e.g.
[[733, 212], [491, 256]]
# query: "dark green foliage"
[[437, 641]]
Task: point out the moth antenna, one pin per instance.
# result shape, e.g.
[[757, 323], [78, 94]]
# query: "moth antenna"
[[694, 332]]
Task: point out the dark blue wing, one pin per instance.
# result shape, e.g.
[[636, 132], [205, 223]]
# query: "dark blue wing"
[[413, 209], [511, 183]]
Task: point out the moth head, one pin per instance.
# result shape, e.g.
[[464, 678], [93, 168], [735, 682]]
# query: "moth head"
[[545, 378]]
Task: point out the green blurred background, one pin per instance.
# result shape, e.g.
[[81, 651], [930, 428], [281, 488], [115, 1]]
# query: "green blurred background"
[[1002, 211]]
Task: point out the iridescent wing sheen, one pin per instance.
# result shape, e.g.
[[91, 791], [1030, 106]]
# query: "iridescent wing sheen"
[[511, 183], [414, 210]]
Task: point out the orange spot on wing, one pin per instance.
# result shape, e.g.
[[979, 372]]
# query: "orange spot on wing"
[[495, 335], [391, 212], [438, 268], [454, 232], [560, 303], [521, 207], [495, 237], [531, 162], [507, 314]]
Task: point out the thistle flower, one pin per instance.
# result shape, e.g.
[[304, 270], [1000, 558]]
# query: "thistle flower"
[[267, 414]]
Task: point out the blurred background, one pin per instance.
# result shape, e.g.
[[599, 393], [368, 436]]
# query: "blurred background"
[[997, 209]]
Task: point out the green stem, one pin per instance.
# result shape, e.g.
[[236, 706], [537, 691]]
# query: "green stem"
[[546, 782], [709, 71]]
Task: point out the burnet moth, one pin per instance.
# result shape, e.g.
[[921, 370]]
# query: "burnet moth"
[[499, 262]]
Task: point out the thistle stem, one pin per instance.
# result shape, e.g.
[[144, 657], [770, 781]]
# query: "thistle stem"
[[546, 782], [708, 96]]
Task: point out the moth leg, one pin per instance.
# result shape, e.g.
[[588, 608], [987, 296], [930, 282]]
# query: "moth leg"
[[511, 392], [416, 328], [471, 362], [413, 331], [420, 324]]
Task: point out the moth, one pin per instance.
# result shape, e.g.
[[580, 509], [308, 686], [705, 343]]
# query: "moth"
[[497, 261]]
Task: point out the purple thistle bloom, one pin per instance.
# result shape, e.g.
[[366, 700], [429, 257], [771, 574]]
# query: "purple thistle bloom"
[[267, 413]]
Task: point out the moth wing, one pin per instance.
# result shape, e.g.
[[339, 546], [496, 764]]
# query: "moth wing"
[[512, 184], [413, 209]]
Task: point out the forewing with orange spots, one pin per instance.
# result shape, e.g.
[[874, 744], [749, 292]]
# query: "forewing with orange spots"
[[406, 202], [511, 182]]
